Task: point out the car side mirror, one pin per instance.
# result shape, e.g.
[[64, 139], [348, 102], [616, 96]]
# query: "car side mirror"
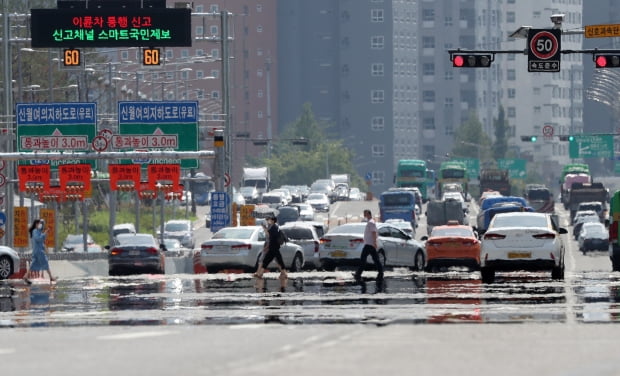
[[107, 247], [563, 231], [424, 238]]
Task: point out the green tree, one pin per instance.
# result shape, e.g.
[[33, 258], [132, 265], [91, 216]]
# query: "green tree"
[[470, 141], [500, 146], [303, 164]]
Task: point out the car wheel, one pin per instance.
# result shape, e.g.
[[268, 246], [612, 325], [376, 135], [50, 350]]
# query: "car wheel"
[[557, 272], [488, 274], [6, 267], [296, 265], [419, 261]]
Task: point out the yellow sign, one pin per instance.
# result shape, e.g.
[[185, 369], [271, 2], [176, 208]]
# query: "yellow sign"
[[20, 227], [1, 232], [234, 214], [50, 224], [602, 31], [246, 215]]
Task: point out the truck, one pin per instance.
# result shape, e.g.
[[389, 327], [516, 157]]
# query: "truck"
[[341, 179], [540, 198], [453, 172], [568, 177], [439, 213], [495, 180], [258, 177], [412, 173], [398, 204], [614, 222], [586, 192]]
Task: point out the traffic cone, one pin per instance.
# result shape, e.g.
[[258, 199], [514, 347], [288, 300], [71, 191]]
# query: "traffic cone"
[[198, 267]]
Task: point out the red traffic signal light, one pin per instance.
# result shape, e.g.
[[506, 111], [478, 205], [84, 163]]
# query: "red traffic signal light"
[[607, 61], [472, 60]]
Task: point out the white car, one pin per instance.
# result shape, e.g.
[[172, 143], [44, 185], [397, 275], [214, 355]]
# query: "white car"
[[180, 229], [306, 212], [522, 241], [305, 235], [240, 248], [9, 262], [342, 246], [355, 194], [593, 237], [318, 201], [250, 194], [579, 215]]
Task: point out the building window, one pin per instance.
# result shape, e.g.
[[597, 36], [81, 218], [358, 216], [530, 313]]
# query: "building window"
[[259, 8], [428, 69], [377, 42], [449, 102], [259, 73], [215, 53], [259, 52], [428, 96], [511, 75], [512, 93], [510, 17], [259, 28], [125, 55], [200, 52], [200, 94], [428, 123], [377, 96], [260, 114], [428, 15], [215, 73], [377, 70], [169, 54], [199, 30], [214, 8], [428, 42], [511, 112], [378, 150], [215, 94], [378, 177], [259, 94], [376, 15], [214, 30], [377, 123], [184, 53]]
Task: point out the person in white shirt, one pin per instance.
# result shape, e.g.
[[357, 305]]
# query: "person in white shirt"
[[370, 247]]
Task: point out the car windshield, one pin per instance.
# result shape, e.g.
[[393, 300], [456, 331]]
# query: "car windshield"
[[234, 233], [297, 233], [172, 243], [316, 196], [175, 227], [519, 221], [456, 231], [271, 199], [136, 239], [74, 239]]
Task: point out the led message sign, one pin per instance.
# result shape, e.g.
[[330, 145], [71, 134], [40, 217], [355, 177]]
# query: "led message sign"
[[145, 27]]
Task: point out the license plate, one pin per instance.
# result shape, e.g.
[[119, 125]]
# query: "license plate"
[[134, 253], [338, 253], [452, 244], [514, 255]]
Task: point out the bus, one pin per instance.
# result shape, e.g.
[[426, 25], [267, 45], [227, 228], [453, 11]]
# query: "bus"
[[201, 189], [452, 172], [412, 173]]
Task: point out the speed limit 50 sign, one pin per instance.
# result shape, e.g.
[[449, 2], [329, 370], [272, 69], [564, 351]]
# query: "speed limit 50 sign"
[[544, 50]]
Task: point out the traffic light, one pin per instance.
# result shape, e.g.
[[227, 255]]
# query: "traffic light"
[[472, 60], [607, 61], [529, 138], [567, 138]]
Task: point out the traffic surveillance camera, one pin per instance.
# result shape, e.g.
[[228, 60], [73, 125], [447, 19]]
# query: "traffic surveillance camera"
[[557, 18]]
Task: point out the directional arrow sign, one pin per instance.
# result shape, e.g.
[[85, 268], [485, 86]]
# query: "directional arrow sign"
[[159, 126], [592, 146], [56, 127]]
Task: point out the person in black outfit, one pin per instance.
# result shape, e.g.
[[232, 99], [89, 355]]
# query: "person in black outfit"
[[273, 250]]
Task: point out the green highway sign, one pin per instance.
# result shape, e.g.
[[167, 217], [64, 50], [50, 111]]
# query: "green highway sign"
[[164, 126], [48, 127], [472, 164], [592, 146], [516, 167]]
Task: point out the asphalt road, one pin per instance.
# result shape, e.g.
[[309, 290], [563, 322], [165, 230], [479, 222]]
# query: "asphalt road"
[[444, 323]]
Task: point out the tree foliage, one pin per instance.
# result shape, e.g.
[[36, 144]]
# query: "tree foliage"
[[470, 141], [303, 164]]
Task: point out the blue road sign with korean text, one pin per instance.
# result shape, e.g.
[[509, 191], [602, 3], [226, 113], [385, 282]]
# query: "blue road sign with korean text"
[[220, 211]]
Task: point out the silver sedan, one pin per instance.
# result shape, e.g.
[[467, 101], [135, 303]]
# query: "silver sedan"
[[240, 248]]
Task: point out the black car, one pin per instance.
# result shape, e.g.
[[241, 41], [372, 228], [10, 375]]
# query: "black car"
[[135, 253], [287, 214]]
